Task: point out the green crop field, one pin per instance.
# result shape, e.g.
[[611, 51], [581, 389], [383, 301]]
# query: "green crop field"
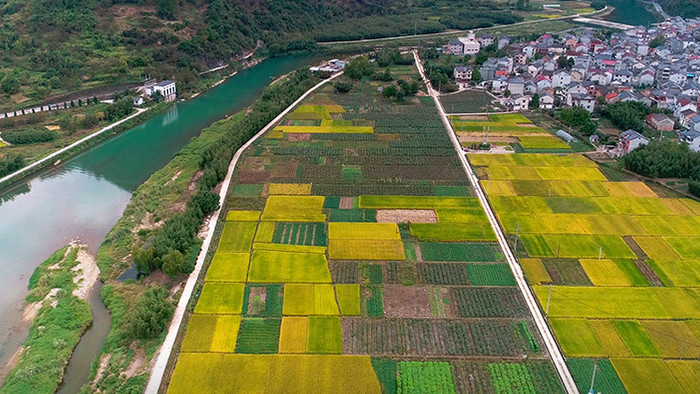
[[237, 237], [221, 298]]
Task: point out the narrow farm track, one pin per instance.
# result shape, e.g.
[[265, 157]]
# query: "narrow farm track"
[[156, 378], [540, 321]]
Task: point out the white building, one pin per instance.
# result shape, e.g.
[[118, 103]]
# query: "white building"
[[166, 88], [692, 138]]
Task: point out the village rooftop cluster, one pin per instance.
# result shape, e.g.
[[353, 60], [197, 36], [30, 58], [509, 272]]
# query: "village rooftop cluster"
[[658, 66]]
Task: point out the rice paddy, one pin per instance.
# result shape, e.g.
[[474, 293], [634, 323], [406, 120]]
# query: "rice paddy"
[[614, 264]]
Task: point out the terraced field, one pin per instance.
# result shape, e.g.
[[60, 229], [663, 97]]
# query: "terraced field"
[[622, 264], [354, 259], [506, 129]]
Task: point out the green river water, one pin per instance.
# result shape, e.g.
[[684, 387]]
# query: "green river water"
[[631, 12], [84, 197]]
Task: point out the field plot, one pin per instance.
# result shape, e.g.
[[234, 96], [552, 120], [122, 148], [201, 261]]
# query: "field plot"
[[514, 129], [623, 263], [355, 259], [466, 101]]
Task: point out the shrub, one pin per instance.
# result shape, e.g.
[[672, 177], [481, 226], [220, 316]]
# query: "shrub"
[[29, 136]]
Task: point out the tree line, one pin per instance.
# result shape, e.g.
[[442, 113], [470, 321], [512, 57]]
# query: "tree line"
[[666, 159]]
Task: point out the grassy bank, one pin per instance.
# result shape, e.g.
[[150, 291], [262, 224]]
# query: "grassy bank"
[[61, 319], [156, 208]]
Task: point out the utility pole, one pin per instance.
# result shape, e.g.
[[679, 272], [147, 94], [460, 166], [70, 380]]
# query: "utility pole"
[[595, 366], [549, 298]]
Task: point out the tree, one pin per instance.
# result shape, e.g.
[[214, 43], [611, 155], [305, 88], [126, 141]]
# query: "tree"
[[565, 63], [151, 314], [657, 42], [535, 102], [165, 9], [172, 263], [476, 75], [342, 87], [144, 260], [627, 115], [359, 67], [575, 116]]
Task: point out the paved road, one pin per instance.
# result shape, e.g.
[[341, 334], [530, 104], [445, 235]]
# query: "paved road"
[[52, 156], [166, 348], [540, 322]]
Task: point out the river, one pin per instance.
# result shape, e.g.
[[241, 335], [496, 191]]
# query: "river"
[[631, 12], [85, 196]]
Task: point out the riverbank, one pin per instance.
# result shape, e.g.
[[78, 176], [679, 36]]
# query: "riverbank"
[[58, 308]]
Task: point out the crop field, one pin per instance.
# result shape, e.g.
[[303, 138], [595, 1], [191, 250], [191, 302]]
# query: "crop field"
[[466, 101], [348, 255], [514, 129], [615, 265]]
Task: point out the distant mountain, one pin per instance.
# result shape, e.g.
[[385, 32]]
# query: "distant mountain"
[[684, 8]]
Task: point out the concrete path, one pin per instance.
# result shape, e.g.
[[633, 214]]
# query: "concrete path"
[[552, 347], [156, 378], [52, 156]]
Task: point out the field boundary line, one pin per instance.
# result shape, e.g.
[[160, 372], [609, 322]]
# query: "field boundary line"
[[542, 326], [156, 378], [55, 154]]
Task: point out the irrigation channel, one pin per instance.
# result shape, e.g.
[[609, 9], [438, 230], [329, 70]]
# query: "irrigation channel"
[[84, 197]]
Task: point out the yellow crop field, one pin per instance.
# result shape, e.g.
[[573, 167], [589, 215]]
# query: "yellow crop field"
[[687, 248], [577, 337], [604, 272], [212, 373], [629, 189], [679, 272], [221, 298], [535, 271], [374, 231], [417, 202], [532, 160], [228, 267], [237, 237], [677, 206], [290, 189], [645, 375], [211, 333], [656, 248], [673, 338], [366, 249], [308, 299], [289, 248], [293, 335], [266, 230], [348, 299], [242, 216], [609, 339], [498, 188], [278, 267], [294, 209]]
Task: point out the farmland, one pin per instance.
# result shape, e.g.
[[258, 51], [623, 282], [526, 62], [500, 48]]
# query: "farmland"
[[513, 130], [614, 264], [352, 248]]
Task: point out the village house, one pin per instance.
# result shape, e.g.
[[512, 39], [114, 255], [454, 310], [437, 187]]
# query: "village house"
[[692, 138], [631, 140], [660, 122]]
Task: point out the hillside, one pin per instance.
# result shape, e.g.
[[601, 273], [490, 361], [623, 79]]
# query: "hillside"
[[52, 47], [684, 8]]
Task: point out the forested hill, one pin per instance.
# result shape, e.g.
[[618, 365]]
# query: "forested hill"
[[684, 8], [49, 47]]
